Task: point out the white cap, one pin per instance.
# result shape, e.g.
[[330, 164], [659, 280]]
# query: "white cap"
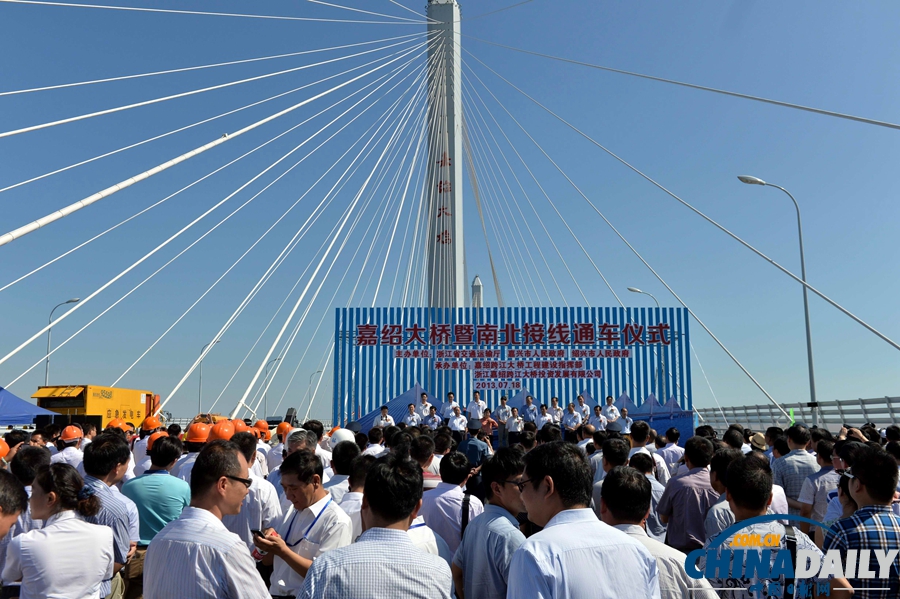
[[341, 435]]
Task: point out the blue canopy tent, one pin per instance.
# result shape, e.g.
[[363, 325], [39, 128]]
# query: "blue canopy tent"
[[397, 407], [664, 417], [15, 410]]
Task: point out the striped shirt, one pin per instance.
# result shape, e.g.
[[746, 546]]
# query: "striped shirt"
[[114, 514], [196, 557], [792, 470], [382, 563], [873, 527]]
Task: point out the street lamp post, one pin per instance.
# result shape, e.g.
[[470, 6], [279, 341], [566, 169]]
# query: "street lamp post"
[[309, 386], [266, 393], [809, 352], [74, 300], [662, 355], [200, 370]]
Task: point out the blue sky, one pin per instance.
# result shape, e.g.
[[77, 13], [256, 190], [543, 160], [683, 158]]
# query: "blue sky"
[[831, 55]]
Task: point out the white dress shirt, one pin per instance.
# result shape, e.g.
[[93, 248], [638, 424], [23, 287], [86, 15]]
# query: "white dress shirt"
[[260, 510], [571, 419], [184, 470], [71, 455], [429, 541], [662, 469], [599, 422], [196, 557], [139, 449], [674, 583], [556, 412], [447, 409], [423, 409], [384, 421], [514, 425], [576, 555], [476, 409], [260, 467], [610, 412], [671, 453], [274, 457], [352, 506], [584, 410], [375, 450], [142, 466], [67, 558], [321, 527], [458, 423], [412, 419], [338, 486], [543, 419], [442, 511]]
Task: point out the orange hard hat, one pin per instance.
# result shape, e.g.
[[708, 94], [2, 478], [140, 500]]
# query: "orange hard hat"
[[4, 449], [197, 433], [150, 423], [223, 429], [154, 437], [240, 426], [261, 425], [71, 433], [118, 423], [283, 429]]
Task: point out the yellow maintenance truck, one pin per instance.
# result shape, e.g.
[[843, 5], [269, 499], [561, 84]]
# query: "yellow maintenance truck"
[[130, 405]]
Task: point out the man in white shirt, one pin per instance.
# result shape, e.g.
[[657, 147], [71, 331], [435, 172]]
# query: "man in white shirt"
[[556, 411], [411, 418], [502, 415], [341, 462], [384, 562], [570, 422], [476, 406], [458, 424], [376, 443], [423, 409], [447, 408], [626, 421], [442, 507], [575, 555], [583, 409], [624, 506], [585, 437], [432, 420], [71, 454], [598, 419], [640, 434], [543, 418], [150, 425], [671, 453], [196, 556], [351, 503], [276, 455], [384, 420], [610, 411], [314, 525]]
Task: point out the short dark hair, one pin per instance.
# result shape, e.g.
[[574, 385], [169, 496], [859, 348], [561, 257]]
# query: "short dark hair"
[[721, 460], [893, 448], [442, 443], [781, 446], [13, 498], [359, 469], [389, 433], [303, 464], [749, 484], [506, 463], [699, 450], [174, 430], [247, 443], [599, 437], [567, 466], [640, 431], [798, 434], [105, 453], [892, 433], [615, 452], [549, 433], [343, 455], [705, 430], [393, 487], [877, 470], [217, 459], [165, 451], [375, 435], [626, 493], [27, 462], [642, 462], [824, 449], [773, 432], [849, 450], [528, 440], [421, 448], [733, 438], [454, 468], [14, 437], [316, 427], [672, 435]]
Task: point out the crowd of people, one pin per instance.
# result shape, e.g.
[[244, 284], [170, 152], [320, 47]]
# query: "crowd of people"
[[544, 502]]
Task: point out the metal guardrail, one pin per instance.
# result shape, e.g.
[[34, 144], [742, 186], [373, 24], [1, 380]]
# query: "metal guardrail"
[[882, 411]]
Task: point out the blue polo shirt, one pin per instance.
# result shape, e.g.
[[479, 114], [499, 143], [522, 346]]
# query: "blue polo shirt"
[[160, 498]]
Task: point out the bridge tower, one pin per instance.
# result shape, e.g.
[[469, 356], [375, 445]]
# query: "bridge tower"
[[447, 281]]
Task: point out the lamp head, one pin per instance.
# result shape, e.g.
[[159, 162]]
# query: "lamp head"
[[634, 290], [750, 180], [74, 300]]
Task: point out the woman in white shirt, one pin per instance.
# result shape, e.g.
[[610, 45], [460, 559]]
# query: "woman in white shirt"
[[514, 426], [68, 557]]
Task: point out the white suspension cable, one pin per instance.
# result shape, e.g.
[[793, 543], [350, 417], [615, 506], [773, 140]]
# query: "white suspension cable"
[[203, 13], [369, 12], [202, 90], [265, 233], [186, 187], [199, 67], [86, 300], [37, 224], [418, 14], [858, 320], [716, 399]]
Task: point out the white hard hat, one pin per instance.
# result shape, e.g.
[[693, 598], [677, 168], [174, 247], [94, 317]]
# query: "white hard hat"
[[340, 435]]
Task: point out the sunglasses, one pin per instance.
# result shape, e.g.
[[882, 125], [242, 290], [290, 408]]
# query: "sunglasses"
[[244, 481], [520, 484]]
